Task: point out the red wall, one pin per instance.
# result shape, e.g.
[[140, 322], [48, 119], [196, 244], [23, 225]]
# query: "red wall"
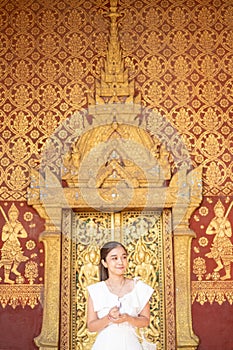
[[19, 327]]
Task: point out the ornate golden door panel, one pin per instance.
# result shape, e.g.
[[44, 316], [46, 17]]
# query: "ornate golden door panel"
[[147, 236]]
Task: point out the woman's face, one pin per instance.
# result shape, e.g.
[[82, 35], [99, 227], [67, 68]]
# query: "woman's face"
[[116, 261]]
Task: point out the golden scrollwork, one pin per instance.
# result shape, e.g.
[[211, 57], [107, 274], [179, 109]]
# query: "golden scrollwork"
[[89, 271], [212, 291], [147, 260], [31, 271], [96, 228], [21, 295], [144, 267]]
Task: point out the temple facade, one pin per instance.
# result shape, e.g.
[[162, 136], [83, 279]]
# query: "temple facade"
[[116, 124]]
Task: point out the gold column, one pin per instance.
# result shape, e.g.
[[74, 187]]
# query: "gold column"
[[186, 339], [48, 338]]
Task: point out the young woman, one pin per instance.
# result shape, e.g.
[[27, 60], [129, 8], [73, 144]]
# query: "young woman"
[[117, 305]]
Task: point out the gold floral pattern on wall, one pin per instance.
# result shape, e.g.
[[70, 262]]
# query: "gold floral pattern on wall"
[[180, 54]]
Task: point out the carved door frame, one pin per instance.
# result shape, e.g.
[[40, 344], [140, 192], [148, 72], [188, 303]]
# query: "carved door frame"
[[76, 245]]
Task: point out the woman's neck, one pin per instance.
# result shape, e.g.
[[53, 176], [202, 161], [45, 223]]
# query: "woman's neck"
[[116, 279], [116, 284]]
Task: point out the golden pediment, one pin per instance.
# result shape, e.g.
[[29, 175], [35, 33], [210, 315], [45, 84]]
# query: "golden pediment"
[[123, 152]]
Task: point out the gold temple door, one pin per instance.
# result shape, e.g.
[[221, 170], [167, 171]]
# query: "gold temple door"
[[147, 236]]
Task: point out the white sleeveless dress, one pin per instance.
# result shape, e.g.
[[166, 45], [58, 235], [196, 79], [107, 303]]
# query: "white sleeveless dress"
[[118, 336]]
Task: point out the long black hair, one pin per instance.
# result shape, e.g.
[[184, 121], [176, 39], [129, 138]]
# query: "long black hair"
[[107, 247]]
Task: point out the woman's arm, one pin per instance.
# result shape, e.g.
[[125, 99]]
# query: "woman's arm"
[[95, 324]]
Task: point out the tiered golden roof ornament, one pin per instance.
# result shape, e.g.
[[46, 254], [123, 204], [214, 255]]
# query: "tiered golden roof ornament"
[[114, 85], [113, 90]]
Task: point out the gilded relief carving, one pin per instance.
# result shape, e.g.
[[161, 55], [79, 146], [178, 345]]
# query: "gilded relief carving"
[[144, 268], [89, 232], [117, 165], [89, 271]]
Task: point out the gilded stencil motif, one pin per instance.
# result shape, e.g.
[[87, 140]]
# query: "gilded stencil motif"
[[12, 255], [148, 256], [20, 260], [213, 254], [180, 56]]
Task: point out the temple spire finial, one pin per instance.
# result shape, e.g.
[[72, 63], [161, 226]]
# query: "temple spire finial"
[[114, 85]]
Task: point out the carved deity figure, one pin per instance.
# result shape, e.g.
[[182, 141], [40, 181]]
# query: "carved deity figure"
[[144, 268], [11, 252], [89, 272], [222, 248], [72, 161]]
